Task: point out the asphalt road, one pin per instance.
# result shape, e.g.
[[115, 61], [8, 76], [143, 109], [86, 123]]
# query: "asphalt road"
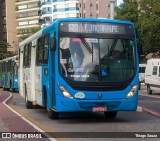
[[151, 103], [93, 122]]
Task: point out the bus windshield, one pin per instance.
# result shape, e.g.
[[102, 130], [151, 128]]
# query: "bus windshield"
[[97, 59]]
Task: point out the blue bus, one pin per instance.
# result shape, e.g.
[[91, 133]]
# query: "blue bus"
[[80, 64], [9, 73]]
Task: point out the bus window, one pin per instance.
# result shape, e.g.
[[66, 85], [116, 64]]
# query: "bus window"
[[27, 56], [45, 49], [39, 57]]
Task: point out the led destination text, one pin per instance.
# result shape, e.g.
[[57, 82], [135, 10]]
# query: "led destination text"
[[93, 28]]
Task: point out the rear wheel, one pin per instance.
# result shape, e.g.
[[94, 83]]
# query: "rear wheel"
[[149, 91], [110, 115], [27, 102], [12, 89]]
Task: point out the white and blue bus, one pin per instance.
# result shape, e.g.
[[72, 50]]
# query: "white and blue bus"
[[80, 64], [9, 73]]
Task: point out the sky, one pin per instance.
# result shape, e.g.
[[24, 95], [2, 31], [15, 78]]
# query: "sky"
[[119, 1]]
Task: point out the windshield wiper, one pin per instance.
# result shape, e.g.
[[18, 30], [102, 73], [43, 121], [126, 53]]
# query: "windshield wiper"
[[86, 44]]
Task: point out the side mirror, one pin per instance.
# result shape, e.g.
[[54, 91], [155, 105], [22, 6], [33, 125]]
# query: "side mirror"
[[53, 44]]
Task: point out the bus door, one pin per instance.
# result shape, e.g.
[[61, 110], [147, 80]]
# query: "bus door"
[[45, 71], [38, 71], [32, 69], [52, 69]]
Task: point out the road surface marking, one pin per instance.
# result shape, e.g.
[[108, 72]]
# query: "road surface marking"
[[25, 119], [149, 96]]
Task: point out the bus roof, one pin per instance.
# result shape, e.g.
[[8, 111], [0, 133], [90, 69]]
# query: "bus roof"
[[91, 19]]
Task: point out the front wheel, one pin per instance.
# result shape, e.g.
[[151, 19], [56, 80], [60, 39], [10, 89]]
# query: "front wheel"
[[110, 115], [149, 91], [51, 114]]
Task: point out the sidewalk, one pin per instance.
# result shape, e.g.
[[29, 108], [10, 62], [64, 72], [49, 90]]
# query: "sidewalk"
[[149, 103], [11, 122]]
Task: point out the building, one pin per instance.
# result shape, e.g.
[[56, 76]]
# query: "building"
[[7, 24], [3, 33], [27, 17], [20, 18], [95, 8], [53, 9], [11, 26]]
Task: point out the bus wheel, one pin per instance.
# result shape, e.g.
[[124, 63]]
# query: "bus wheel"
[[28, 103], [52, 114], [110, 115], [149, 91], [139, 85], [12, 90]]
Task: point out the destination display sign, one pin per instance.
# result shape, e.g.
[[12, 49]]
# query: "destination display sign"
[[93, 27]]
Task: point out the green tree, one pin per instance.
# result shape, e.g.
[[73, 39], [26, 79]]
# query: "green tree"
[[3, 49], [149, 25], [30, 32], [128, 11], [146, 17]]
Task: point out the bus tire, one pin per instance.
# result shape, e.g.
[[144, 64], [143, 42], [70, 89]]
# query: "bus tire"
[[27, 102], [149, 91], [139, 85], [110, 115], [12, 90], [51, 114]]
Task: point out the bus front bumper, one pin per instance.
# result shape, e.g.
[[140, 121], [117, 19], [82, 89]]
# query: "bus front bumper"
[[70, 105]]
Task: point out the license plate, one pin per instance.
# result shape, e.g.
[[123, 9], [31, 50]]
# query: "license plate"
[[99, 109]]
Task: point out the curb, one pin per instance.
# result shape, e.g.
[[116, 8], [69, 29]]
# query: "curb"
[[151, 112], [140, 109]]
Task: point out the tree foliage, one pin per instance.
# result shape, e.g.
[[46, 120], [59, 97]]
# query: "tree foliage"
[[146, 17], [127, 11], [26, 35], [3, 49]]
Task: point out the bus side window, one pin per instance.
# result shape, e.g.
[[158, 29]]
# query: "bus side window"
[[39, 52], [27, 55], [45, 49]]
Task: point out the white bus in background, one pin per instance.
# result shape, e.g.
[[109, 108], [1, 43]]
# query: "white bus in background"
[[152, 75]]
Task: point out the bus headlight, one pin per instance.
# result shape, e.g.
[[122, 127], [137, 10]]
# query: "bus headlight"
[[132, 91], [65, 92]]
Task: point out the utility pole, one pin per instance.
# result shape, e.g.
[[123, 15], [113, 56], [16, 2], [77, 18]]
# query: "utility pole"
[[112, 3]]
